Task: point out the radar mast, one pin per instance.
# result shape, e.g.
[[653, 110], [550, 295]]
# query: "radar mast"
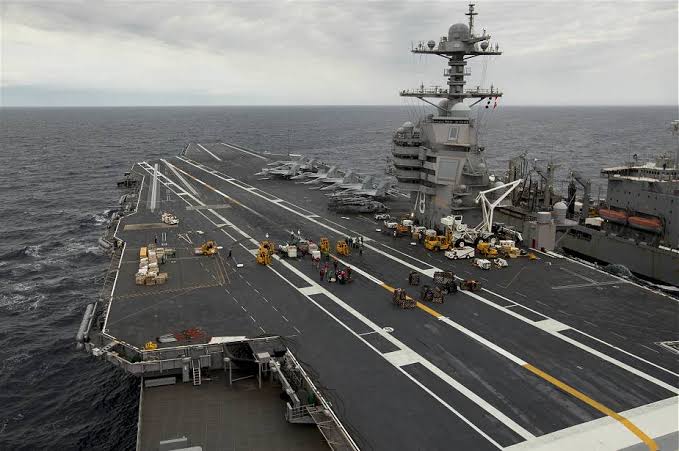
[[438, 160]]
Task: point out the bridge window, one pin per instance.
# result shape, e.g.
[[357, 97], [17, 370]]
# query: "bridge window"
[[452, 134]]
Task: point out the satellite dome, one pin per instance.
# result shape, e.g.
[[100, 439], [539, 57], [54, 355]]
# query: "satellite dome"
[[458, 32], [400, 129], [407, 124], [561, 205], [431, 45], [484, 45], [460, 109]]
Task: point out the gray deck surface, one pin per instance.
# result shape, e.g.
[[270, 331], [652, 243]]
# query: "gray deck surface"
[[216, 416], [386, 406]]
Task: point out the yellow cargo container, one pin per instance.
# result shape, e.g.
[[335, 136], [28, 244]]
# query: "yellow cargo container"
[[142, 252]]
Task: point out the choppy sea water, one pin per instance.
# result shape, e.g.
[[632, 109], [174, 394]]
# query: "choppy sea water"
[[58, 169]]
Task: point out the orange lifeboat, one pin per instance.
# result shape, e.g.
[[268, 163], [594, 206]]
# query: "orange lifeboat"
[[648, 224], [619, 217]]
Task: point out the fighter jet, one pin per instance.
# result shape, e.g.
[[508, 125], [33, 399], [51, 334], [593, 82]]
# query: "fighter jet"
[[379, 193], [288, 169], [367, 183], [316, 177], [334, 182], [355, 204]]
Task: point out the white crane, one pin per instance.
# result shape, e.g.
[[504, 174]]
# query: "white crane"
[[488, 207]]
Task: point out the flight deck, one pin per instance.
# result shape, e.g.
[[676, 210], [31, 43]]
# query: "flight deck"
[[550, 353]]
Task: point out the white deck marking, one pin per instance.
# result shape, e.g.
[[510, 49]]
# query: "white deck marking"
[[650, 349], [430, 272], [401, 357], [310, 291], [483, 341], [656, 419], [154, 189], [213, 155], [244, 151], [577, 274], [551, 325], [587, 285], [179, 176], [286, 320]]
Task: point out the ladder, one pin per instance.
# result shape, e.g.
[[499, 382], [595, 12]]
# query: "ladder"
[[195, 368]]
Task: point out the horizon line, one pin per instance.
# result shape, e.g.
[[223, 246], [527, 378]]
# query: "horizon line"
[[323, 105]]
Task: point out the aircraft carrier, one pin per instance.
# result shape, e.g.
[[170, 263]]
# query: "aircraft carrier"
[[233, 354]]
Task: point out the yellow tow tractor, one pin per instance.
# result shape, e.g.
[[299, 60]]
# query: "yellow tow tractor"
[[342, 248], [486, 249], [508, 249], [265, 251], [208, 248], [437, 243]]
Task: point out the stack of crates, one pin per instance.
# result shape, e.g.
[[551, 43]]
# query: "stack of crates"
[[149, 258]]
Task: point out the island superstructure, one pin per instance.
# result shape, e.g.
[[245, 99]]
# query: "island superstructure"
[[438, 160]]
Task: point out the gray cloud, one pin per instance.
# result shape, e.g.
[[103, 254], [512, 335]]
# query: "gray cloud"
[[329, 52]]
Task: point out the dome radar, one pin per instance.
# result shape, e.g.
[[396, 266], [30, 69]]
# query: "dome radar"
[[458, 32], [460, 110], [431, 45]]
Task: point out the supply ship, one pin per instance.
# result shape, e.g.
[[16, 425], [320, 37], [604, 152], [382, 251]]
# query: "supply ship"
[[260, 314]]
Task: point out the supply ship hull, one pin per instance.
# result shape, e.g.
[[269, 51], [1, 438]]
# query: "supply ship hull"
[[549, 354], [650, 262]]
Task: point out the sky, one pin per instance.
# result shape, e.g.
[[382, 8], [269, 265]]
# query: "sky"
[[98, 53]]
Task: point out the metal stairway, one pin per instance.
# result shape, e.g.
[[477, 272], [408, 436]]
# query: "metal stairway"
[[195, 369]]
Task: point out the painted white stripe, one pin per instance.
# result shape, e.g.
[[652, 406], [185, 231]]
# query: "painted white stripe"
[[213, 155], [401, 357], [429, 272], [483, 341], [244, 151], [551, 325], [154, 188], [310, 291], [179, 176]]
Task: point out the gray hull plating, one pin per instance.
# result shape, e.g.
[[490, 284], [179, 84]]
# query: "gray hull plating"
[[647, 261]]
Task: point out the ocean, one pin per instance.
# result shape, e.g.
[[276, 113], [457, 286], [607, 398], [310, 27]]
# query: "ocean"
[[58, 173]]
